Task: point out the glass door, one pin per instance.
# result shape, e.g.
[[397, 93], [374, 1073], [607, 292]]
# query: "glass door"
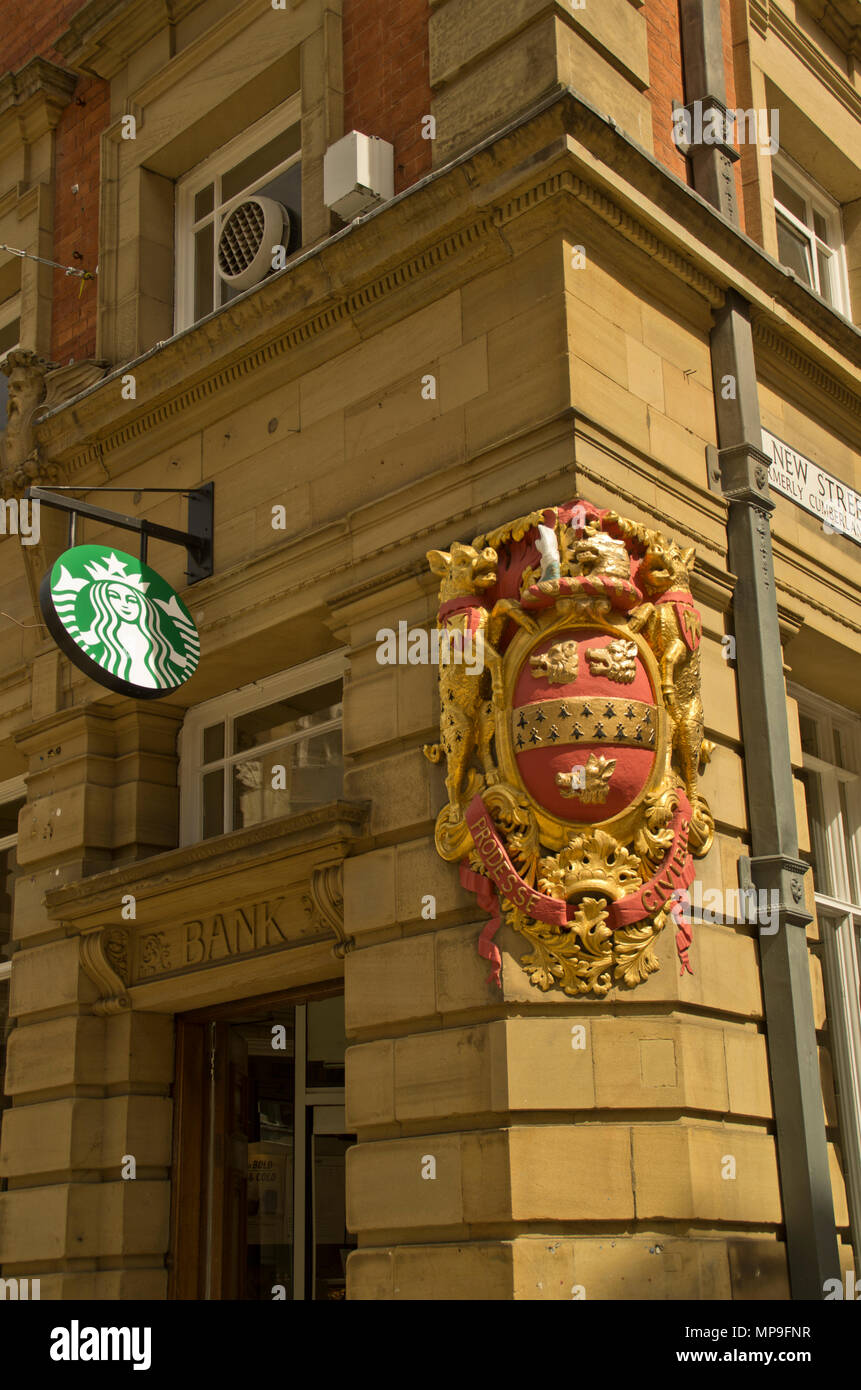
[[269, 1136]]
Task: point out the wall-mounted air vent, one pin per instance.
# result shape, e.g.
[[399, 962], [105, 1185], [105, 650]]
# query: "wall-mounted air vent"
[[248, 236]]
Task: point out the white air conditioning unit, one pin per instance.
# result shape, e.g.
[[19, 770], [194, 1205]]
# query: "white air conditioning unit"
[[358, 173], [249, 233]]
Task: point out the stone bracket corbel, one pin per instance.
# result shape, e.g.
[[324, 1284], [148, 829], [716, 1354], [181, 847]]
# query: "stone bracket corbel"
[[104, 958], [708, 104], [780, 873], [744, 475], [327, 895]]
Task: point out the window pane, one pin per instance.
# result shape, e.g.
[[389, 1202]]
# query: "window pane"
[[826, 280], [213, 743], [289, 779], [817, 856], [808, 730], [794, 251], [213, 803], [256, 165], [203, 267], [9, 337], [792, 201], [270, 1130], [287, 190], [820, 226], [9, 812], [332, 1241], [285, 717], [849, 846], [204, 202], [327, 1042]]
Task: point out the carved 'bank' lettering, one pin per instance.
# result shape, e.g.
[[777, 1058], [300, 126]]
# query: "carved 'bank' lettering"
[[219, 943], [195, 951], [274, 933], [244, 931]]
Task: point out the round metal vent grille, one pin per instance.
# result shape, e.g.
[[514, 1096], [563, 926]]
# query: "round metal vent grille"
[[248, 238]]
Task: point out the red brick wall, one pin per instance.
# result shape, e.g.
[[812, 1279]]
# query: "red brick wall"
[[666, 83], [386, 79], [76, 220], [27, 30], [29, 27]]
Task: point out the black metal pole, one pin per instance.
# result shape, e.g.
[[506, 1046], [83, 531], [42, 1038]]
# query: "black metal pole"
[[805, 1180]]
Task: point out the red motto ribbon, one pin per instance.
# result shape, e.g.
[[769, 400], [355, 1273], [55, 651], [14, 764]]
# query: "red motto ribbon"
[[675, 874]]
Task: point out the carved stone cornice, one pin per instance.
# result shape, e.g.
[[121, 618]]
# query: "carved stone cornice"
[[33, 99], [463, 241], [356, 277], [275, 887], [841, 21], [799, 363], [315, 839], [103, 34], [848, 39], [759, 15], [831, 611]]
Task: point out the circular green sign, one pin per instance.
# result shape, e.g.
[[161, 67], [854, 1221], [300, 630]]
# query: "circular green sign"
[[120, 622]]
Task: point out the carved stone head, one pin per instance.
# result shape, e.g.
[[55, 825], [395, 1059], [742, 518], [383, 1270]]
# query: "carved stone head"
[[25, 372]]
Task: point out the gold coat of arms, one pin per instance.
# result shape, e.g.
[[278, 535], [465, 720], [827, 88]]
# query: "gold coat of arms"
[[571, 725]]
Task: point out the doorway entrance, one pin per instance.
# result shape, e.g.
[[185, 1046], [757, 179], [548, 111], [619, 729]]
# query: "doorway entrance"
[[260, 1148]]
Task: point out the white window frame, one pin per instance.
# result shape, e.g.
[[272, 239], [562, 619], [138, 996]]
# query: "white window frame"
[[816, 200], [289, 113], [13, 790], [839, 920], [227, 708]]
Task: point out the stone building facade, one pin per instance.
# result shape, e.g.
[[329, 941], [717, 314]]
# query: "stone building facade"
[[251, 1049]]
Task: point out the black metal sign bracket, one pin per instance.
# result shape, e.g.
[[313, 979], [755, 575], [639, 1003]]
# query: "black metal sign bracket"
[[197, 540]]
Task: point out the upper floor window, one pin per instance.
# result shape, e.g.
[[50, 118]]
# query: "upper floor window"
[[810, 233], [270, 749], [216, 242], [831, 748], [830, 745]]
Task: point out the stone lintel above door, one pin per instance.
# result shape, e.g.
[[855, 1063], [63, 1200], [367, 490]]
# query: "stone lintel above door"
[[218, 919]]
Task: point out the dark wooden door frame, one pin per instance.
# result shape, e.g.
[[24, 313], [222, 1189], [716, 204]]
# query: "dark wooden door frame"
[[192, 1117]]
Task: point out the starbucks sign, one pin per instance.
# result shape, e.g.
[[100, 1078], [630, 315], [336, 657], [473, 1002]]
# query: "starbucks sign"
[[120, 622]]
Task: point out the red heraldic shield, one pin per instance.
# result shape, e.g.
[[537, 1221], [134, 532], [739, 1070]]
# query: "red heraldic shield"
[[558, 723]]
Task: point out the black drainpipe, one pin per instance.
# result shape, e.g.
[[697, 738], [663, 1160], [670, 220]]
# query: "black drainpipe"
[[742, 477]]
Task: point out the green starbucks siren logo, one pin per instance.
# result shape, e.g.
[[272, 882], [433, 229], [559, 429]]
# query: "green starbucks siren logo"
[[120, 622]]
